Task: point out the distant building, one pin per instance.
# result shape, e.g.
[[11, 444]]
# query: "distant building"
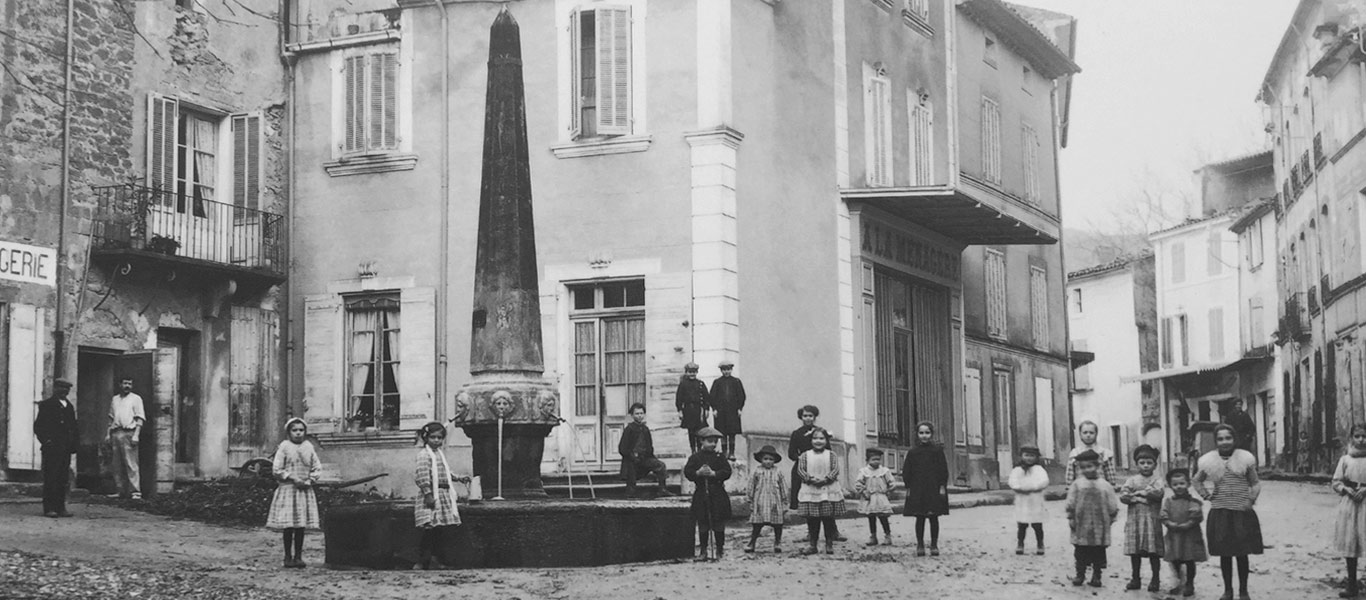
[[1112, 314], [1211, 352], [1312, 97]]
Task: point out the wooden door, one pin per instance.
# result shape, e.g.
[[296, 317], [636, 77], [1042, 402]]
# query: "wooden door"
[[139, 366]]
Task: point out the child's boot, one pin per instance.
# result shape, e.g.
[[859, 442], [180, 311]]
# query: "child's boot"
[[1095, 578], [872, 541], [1351, 591], [777, 539], [1155, 584], [886, 538], [749, 548], [1134, 583], [1019, 548], [920, 549], [934, 549], [829, 547], [1081, 575]]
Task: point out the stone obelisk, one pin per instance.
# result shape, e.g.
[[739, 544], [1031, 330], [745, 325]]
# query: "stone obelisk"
[[506, 364]]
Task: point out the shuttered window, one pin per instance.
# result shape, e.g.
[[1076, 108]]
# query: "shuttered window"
[[1178, 272], [370, 102], [1081, 376], [1215, 256], [1030, 140], [1167, 334], [600, 71], [919, 8], [991, 140], [162, 113], [372, 353], [996, 293], [1038, 303], [246, 160], [879, 130], [1216, 333], [922, 140]]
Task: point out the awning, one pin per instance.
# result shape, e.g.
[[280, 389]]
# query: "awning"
[[1194, 369], [973, 215], [1081, 358]]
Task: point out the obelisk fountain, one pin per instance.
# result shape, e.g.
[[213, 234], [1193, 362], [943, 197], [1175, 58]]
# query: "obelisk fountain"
[[507, 408]]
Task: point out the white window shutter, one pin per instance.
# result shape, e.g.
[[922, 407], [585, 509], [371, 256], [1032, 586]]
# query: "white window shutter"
[[353, 84], [575, 75], [25, 368], [381, 90], [614, 69], [882, 151], [162, 112], [323, 369], [246, 160], [417, 367], [922, 141]]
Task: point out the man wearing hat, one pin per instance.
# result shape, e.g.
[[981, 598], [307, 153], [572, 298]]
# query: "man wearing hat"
[[692, 402], [55, 428], [728, 400]]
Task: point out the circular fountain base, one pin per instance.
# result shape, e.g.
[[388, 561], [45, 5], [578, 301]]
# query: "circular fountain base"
[[513, 533]]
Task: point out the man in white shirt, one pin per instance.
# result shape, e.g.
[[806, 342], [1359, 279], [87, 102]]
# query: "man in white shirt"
[[126, 417]]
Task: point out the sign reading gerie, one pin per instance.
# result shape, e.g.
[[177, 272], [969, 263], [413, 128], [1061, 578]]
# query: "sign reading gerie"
[[30, 264]]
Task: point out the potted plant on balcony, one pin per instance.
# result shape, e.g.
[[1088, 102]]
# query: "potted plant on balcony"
[[163, 245]]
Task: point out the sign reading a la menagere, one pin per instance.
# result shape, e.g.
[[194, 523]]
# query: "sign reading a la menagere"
[[29, 264]]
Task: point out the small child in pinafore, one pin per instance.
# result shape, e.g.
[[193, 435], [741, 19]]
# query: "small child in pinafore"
[[821, 498], [767, 498], [1184, 544], [873, 483], [1142, 493], [294, 509], [1349, 529], [434, 510], [1092, 506], [1029, 480]]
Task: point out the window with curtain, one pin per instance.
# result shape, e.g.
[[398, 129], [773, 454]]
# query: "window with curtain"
[[196, 162], [372, 378]]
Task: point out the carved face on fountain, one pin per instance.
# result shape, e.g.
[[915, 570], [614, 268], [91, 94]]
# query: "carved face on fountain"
[[462, 408], [502, 404]]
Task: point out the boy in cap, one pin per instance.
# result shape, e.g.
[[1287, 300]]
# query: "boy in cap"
[[55, 428], [767, 495], [637, 449], [692, 402], [710, 502], [728, 400]]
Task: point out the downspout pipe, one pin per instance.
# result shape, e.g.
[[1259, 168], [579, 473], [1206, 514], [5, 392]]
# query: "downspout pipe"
[[290, 60], [60, 350], [443, 273]]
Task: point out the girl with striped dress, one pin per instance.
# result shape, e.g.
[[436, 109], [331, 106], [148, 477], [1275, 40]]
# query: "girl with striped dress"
[[434, 510], [1349, 529], [821, 498], [1232, 528], [294, 509], [767, 497]]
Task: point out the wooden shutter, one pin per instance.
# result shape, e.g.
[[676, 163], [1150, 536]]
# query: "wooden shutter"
[[996, 293], [382, 88], [25, 383], [1030, 140], [880, 171], [991, 140], [246, 160], [575, 75], [417, 357], [1081, 376], [922, 141], [614, 69], [1215, 255], [353, 82], [323, 372], [1216, 333], [1038, 293], [162, 112]]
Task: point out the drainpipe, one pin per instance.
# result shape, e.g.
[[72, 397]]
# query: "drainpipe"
[[290, 61], [1062, 267], [443, 277], [59, 350]]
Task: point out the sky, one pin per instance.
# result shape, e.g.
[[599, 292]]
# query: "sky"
[[1166, 86]]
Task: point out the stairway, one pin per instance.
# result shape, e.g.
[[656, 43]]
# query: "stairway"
[[606, 484]]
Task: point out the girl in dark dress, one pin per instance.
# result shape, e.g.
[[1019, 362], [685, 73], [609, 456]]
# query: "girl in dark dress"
[[926, 473]]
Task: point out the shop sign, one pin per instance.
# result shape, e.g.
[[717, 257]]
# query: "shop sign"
[[29, 264]]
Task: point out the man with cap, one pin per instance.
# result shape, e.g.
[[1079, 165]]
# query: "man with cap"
[[728, 400], [692, 402], [55, 428]]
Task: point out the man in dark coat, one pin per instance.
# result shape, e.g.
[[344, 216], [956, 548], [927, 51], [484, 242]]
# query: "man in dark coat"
[[55, 428], [637, 450], [710, 507], [692, 402], [1245, 432], [728, 400]]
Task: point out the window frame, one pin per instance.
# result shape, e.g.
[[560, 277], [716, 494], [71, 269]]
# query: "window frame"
[[635, 138], [228, 187], [1177, 262], [1033, 188], [877, 127], [920, 128], [990, 50], [1038, 296], [389, 301], [997, 307], [401, 49]]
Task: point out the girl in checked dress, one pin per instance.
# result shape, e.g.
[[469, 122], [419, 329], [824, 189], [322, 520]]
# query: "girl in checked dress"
[[767, 498], [1142, 493], [1349, 529], [295, 506], [821, 498], [434, 511]]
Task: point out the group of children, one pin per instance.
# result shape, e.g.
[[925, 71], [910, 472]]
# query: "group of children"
[[1163, 521]]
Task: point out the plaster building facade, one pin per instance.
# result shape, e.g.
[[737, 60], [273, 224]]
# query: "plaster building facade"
[[839, 249], [1316, 118], [146, 184], [1112, 314], [1210, 305]]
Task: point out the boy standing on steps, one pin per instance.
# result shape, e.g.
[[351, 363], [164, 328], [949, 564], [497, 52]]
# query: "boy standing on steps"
[[637, 450]]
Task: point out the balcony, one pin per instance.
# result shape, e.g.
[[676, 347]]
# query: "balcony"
[[1306, 168], [178, 235], [1294, 321], [1319, 156]]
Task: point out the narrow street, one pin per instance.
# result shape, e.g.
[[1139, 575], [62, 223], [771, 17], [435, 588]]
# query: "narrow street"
[[978, 561]]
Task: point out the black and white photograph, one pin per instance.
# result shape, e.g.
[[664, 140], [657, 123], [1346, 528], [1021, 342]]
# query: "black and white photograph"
[[677, 299]]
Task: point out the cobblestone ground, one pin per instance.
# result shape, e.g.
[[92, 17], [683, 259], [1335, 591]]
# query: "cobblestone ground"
[[978, 562]]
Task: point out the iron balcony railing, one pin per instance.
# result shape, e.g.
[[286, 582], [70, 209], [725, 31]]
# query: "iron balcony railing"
[[141, 218]]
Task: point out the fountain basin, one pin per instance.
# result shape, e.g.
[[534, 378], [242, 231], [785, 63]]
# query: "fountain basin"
[[514, 533]]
